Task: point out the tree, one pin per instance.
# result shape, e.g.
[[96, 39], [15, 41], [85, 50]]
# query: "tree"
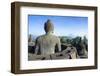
[[63, 39]]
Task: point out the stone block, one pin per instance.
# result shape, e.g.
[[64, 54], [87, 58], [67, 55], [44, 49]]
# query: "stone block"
[[38, 57], [59, 56]]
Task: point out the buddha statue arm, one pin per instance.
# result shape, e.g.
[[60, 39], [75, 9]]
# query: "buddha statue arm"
[[59, 45], [36, 46]]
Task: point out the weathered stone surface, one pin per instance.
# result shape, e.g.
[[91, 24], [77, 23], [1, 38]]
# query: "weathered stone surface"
[[30, 38], [46, 43], [59, 56], [38, 57], [31, 44], [83, 53], [71, 52]]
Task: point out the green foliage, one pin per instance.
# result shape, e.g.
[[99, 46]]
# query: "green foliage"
[[73, 41]]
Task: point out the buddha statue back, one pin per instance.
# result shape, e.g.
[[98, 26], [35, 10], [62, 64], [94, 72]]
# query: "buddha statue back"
[[47, 43]]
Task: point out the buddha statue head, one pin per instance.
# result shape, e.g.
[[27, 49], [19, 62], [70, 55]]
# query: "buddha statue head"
[[48, 27]]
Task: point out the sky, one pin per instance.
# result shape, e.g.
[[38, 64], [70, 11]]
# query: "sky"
[[63, 25]]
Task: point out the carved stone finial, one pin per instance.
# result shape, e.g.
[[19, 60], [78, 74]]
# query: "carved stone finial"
[[30, 38]]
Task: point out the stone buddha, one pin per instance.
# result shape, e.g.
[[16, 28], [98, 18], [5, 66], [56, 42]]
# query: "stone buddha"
[[47, 43]]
